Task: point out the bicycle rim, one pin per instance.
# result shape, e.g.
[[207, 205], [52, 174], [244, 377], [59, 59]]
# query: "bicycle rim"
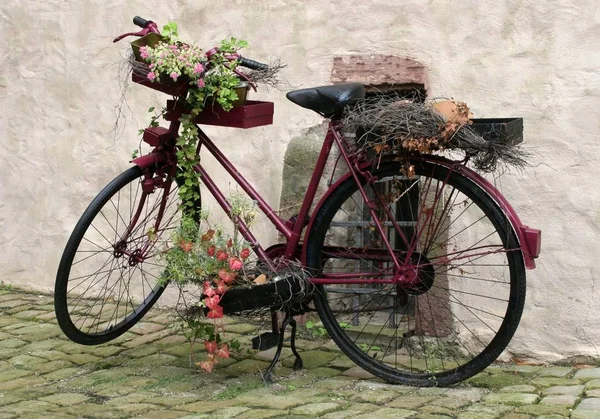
[[111, 272], [468, 289]]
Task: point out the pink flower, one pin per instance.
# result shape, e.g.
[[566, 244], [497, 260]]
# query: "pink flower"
[[223, 352], [199, 68], [211, 346], [174, 75], [201, 83], [151, 76], [211, 251], [216, 313], [159, 62], [208, 290], [235, 264], [245, 253], [212, 302], [144, 52], [207, 365], [221, 287], [151, 66], [225, 276]]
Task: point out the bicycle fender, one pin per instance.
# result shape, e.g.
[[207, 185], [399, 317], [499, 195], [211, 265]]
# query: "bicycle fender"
[[529, 238], [149, 160]]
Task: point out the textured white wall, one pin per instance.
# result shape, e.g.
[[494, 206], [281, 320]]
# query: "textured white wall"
[[538, 60]]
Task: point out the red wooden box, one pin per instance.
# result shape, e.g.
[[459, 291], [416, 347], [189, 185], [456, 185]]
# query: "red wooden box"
[[178, 88], [252, 113]]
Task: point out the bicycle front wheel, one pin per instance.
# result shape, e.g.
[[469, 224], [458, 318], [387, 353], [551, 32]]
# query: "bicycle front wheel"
[[111, 272], [467, 291]]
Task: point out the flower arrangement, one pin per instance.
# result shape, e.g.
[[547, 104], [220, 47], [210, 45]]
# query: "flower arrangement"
[[209, 78], [208, 259], [211, 260], [171, 60]]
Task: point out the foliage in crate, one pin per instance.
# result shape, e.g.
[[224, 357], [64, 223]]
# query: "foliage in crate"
[[392, 125], [172, 61]]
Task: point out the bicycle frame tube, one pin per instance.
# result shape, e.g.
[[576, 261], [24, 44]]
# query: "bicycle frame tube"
[[293, 233]]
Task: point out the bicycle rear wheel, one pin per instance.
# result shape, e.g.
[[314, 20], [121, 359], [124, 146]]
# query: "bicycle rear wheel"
[[468, 288], [111, 272]]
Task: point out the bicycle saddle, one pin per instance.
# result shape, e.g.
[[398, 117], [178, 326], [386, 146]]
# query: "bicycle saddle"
[[328, 100]]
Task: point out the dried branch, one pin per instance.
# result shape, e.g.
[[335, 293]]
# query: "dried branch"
[[269, 77]]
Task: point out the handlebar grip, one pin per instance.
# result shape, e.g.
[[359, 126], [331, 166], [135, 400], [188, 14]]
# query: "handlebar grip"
[[140, 21], [252, 65]]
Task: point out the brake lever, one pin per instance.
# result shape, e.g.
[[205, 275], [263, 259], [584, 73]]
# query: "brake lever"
[[151, 28]]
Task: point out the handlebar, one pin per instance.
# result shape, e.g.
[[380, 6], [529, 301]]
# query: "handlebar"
[[252, 65], [140, 21], [149, 26]]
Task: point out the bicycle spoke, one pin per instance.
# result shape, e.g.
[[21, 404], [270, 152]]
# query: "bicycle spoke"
[[112, 280], [461, 290]]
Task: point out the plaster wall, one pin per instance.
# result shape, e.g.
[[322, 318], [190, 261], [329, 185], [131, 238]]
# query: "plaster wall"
[[59, 86]]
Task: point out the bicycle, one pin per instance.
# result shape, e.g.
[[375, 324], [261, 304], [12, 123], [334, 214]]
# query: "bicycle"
[[420, 277]]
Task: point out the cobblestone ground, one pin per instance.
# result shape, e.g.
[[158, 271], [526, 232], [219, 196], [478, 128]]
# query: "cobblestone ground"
[[146, 373]]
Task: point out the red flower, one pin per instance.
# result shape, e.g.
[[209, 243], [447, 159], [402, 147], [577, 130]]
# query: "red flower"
[[226, 276], [211, 251], [207, 365], [212, 302], [186, 246], [208, 235], [223, 352], [235, 264], [221, 287], [229, 243], [208, 290], [216, 313], [245, 253], [222, 255], [211, 346]]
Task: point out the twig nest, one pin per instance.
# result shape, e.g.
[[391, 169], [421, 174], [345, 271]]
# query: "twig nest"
[[393, 125]]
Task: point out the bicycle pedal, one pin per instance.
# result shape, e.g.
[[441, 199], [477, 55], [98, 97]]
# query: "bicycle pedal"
[[264, 341]]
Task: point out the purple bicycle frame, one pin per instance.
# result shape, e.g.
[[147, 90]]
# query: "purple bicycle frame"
[[291, 232], [529, 239]]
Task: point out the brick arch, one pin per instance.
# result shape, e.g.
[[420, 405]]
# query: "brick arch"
[[381, 73]]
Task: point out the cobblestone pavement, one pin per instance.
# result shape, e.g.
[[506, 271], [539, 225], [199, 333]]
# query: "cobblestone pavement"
[[146, 373]]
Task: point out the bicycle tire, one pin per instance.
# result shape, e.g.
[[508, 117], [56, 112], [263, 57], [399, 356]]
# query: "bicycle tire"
[[424, 343], [68, 311]]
